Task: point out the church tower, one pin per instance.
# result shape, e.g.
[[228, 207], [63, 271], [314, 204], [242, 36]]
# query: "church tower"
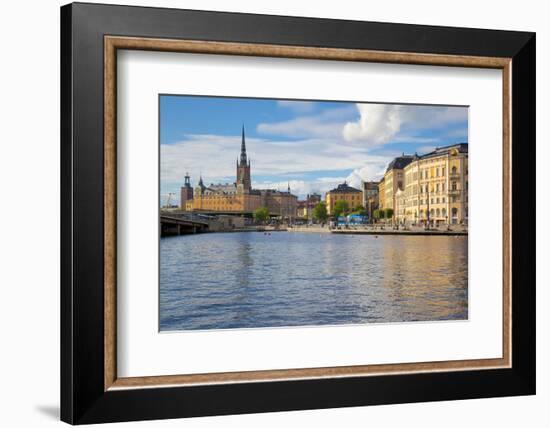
[[243, 167], [186, 192]]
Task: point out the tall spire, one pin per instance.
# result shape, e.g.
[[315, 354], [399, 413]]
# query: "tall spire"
[[187, 180], [243, 149]]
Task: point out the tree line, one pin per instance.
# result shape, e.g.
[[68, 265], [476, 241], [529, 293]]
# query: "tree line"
[[320, 212]]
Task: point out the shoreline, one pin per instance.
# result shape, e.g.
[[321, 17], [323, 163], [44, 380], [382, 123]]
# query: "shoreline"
[[418, 232], [402, 232], [326, 230]]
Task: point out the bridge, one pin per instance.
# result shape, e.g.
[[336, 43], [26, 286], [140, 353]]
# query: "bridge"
[[181, 224]]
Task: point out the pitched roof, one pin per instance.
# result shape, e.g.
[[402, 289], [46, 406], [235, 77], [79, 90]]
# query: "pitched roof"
[[400, 162], [344, 188], [460, 147]]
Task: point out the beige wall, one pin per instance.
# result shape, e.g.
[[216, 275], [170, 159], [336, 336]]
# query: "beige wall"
[[382, 195], [352, 198], [277, 204], [394, 179], [439, 184]]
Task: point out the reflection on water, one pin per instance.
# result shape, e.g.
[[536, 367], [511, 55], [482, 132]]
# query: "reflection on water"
[[246, 280]]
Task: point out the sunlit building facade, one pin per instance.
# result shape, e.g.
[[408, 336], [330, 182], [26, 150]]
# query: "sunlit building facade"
[[381, 194], [437, 186], [394, 180], [343, 192], [370, 196], [238, 197]]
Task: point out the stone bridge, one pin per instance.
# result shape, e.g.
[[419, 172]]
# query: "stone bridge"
[[181, 224]]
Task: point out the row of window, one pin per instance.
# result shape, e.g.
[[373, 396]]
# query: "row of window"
[[439, 172], [439, 187], [433, 201], [439, 212]]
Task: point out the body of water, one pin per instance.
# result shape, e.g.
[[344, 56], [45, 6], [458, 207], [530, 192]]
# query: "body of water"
[[252, 279]]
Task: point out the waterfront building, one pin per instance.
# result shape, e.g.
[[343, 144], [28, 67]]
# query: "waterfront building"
[[301, 209], [437, 186], [186, 192], [343, 192], [238, 197], [381, 194], [394, 180], [400, 206], [370, 196], [305, 207], [313, 199]]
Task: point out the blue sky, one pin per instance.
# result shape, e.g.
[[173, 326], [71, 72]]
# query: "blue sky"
[[313, 145]]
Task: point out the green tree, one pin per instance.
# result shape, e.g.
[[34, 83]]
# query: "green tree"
[[389, 213], [379, 214], [359, 210], [261, 214], [320, 212], [340, 208]]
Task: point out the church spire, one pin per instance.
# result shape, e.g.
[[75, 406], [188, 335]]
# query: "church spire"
[[243, 168], [243, 149]]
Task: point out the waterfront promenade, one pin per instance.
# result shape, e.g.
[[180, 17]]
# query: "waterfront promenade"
[[387, 230]]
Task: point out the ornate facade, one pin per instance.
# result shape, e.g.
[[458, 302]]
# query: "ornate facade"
[[431, 188], [437, 186], [239, 197], [394, 179]]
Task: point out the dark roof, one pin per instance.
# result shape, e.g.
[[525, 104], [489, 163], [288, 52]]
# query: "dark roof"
[[461, 147], [344, 188], [400, 162]]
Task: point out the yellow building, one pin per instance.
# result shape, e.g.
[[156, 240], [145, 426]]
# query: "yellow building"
[[381, 194], [436, 187], [238, 197], [352, 196], [394, 180], [400, 206]]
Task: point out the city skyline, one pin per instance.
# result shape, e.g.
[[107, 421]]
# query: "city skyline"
[[311, 145]]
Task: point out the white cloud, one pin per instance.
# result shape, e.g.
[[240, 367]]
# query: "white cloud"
[[324, 143], [381, 123], [215, 158], [301, 188], [326, 124], [377, 124], [370, 172]]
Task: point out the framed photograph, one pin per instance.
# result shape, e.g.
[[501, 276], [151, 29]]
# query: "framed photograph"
[[265, 213]]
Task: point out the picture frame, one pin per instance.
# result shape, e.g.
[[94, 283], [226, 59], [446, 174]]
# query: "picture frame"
[[91, 391]]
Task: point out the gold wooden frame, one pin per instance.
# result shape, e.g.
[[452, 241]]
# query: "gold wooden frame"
[[113, 43]]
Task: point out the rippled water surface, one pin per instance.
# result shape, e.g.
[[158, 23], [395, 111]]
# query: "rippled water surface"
[[246, 280]]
